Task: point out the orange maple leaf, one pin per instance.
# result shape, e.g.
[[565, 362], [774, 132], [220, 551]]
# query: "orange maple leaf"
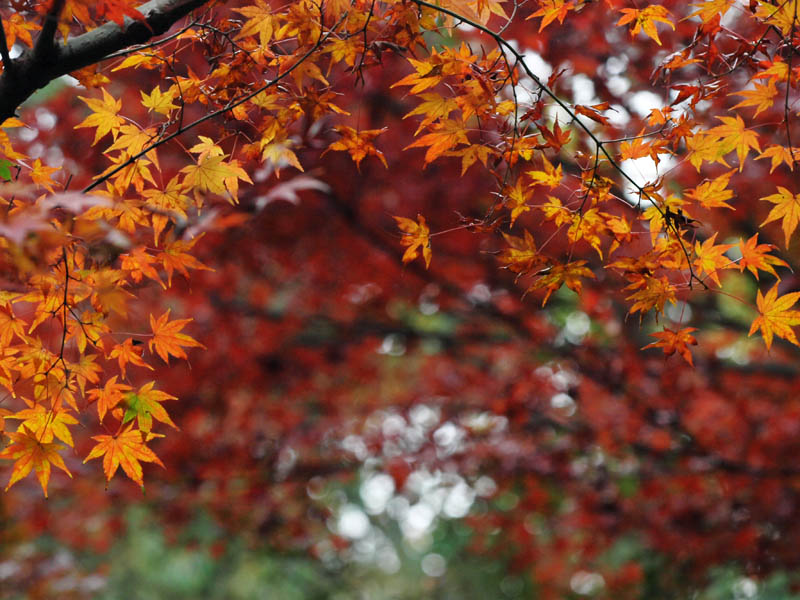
[[710, 258], [787, 208], [126, 353], [756, 257], [32, 454], [166, 337], [775, 318], [109, 396], [552, 10], [445, 136], [416, 235], [127, 450], [672, 341], [175, 257], [762, 97]]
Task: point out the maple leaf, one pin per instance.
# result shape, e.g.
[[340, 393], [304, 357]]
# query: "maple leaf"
[[127, 449], [671, 341], [787, 208], [109, 396], [259, 21], [521, 255], [652, 293], [775, 318], [517, 200], [126, 353], [780, 154], [117, 10], [428, 74], [209, 174], [145, 405], [756, 257], [714, 193], [42, 174], [435, 106], [551, 176], [358, 143], [762, 97], [709, 10], [710, 258], [705, 147], [46, 423], [735, 136], [445, 136], [167, 338], [552, 10], [104, 116], [158, 101], [557, 275], [10, 327], [32, 454], [416, 235], [176, 257], [645, 20]]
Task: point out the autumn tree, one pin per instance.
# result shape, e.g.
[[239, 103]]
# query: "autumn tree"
[[570, 219]]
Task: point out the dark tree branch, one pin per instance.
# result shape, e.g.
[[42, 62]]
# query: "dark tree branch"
[[45, 43], [4, 48], [36, 68]]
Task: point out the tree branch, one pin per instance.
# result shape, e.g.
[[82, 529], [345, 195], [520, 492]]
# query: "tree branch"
[[4, 49], [45, 42], [35, 68]]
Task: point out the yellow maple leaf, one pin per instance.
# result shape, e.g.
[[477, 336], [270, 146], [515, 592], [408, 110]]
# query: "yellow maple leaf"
[[787, 208], [735, 136], [780, 154], [158, 101], [210, 174], [259, 21], [416, 235], [645, 20], [551, 176], [46, 423], [775, 318], [516, 199], [709, 10], [104, 116]]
